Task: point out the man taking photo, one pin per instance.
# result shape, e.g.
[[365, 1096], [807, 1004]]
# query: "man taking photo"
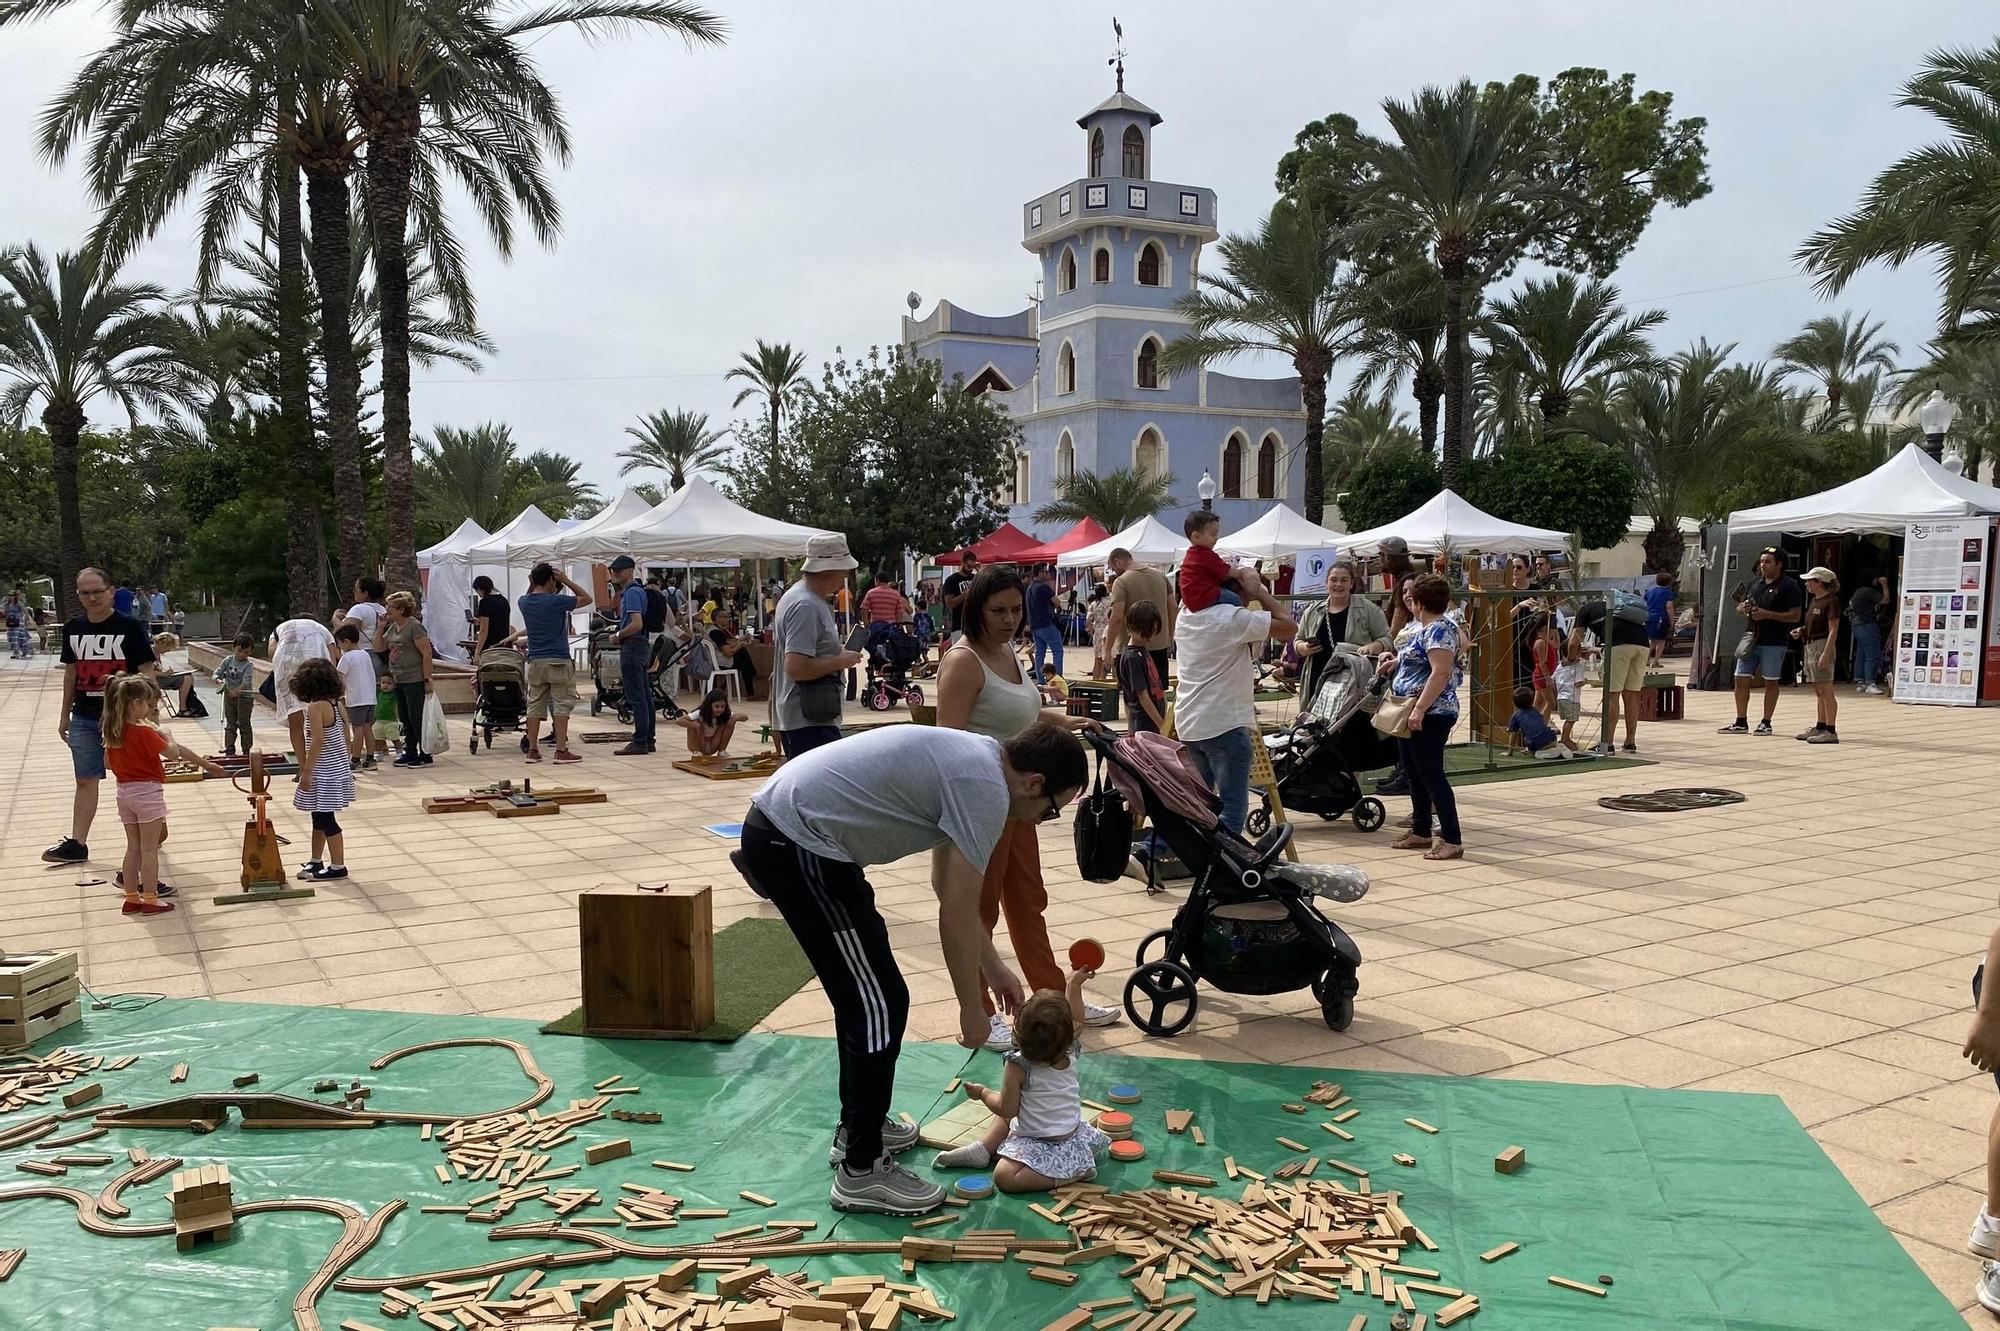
[[1772, 604]]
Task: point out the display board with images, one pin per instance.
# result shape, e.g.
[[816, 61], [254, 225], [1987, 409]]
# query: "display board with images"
[[1940, 639]]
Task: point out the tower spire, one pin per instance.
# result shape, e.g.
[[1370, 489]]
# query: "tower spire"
[[1118, 51]]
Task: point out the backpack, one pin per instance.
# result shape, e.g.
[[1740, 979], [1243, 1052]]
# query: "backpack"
[[656, 610], [1103, 832], [1629, 606]]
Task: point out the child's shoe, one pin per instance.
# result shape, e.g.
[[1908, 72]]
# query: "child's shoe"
[[155, 907], [325, 872], [1988, 1289], [1985, 1239]]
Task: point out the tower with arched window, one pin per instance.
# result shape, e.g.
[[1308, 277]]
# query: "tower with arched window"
[[1084, 366]]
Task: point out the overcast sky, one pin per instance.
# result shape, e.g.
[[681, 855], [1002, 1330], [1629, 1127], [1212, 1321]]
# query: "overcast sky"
[[796, 182]]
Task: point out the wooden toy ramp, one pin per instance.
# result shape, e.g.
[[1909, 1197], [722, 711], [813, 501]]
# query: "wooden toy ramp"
[[731, 769], [263, 1109], [504, 801]]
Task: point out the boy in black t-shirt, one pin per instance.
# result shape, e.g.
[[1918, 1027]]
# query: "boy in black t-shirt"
[[1138, 678]]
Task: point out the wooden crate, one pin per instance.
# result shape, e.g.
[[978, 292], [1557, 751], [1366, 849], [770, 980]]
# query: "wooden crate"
[[38, 996], [648, 959]]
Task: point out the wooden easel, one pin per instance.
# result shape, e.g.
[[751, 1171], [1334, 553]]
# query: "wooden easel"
[[263, 861]]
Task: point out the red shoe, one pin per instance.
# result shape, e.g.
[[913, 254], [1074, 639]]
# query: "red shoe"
[[131, 906], [155, 907], [568, 756], [532, 756]]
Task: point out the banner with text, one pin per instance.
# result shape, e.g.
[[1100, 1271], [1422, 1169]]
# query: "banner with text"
[[1939, 642]]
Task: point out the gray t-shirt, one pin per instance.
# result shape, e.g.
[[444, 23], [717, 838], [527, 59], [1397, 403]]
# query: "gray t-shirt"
[[804, 624], [879, 796]]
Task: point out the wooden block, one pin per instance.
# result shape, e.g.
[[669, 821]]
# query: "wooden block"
[[648, 959], [1199, 1139], [755, 1317], [1054, 1275], [1071, 1321], [1178, 1120], [1421, 1126], [601, 1298], [1291, 1145], [1189, 1180], [1510, 1160], [756, 1197], [9, 1260], [679, 1275], [1495, 1254], [356, 1324], [1360, 1320], [1404, 1160], [42, 1167], [674, 1165], [732, 1283], [1457, 1310], [1595, 1291], [443, 1174], [247, 1079], [815, 1310], [180, 1073], [931, 1221], [615, 1149], [82, 1095]]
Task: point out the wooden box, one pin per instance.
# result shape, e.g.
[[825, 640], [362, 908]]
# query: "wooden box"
[[648, 959], [38, 995]]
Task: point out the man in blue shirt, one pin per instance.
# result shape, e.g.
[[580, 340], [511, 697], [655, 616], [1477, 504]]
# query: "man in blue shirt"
[[635, 653], [545, 614], [1042, 626]]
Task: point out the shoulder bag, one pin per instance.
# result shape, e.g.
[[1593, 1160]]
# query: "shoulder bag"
[[819, 699], [1392, 718]]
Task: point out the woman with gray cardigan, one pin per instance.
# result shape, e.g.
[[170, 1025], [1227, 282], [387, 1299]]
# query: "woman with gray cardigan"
[[1345, 616]]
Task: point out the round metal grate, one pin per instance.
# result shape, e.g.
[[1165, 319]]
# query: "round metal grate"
[[1674, 799]]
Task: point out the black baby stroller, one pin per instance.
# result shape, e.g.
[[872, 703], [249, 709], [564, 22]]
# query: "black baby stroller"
[[1318, 761], [499, 695], [892, 651], [663, 670], [1249, 924]]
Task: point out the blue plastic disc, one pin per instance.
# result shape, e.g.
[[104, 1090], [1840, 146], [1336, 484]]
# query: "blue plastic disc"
[[1124, 1094], [974, 1185]]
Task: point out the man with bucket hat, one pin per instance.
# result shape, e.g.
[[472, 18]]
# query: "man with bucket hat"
[[807, 654]]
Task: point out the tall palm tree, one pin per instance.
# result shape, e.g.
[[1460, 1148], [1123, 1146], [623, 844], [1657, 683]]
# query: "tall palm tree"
[[68, 336], [1116, 499], [449, 87], [1399, 334], [1282, 293], [463, 473], [1936, 201], [1967, 372], [777, 374], [1358, 428], [1560, 334], [221, 349], [553, 484], [1834, 353], [675, 442]]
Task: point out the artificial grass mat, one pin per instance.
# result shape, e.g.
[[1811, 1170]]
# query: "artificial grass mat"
[[758, 965], [1712, 1211]]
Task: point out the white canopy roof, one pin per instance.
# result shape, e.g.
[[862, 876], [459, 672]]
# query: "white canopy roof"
[[1909, 487], [699, 522], [580, 541], [527, 525], [1642, 525], [1149, 541], [468, 533], [1280, 532], [1448, 520]]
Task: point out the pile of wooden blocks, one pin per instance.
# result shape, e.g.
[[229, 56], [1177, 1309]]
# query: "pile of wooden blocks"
[[204, 1205], [38, 996], [514, 1149]]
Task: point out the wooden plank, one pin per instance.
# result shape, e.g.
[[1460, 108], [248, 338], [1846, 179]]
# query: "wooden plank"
[[1595, 1291], [1495, 1254]]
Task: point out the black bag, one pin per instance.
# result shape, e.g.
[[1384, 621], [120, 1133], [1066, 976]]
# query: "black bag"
[[268, 690], [656, 610], [1103, 832], [819, 699]]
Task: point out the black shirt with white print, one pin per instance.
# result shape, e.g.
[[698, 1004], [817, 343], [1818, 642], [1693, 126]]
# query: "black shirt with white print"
[[117, 645]]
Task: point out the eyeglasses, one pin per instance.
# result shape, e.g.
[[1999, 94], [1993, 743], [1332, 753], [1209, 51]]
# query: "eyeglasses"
[[94, 591], [1053, 812]]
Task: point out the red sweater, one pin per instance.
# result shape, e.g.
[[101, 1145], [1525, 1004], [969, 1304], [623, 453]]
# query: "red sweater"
[[1202, 572]]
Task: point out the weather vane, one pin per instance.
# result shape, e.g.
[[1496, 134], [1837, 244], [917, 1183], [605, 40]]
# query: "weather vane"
[[1118, 51]]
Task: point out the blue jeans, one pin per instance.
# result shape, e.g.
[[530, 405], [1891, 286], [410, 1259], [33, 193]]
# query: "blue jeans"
[[806, 738], [1867, 651], [86, 747], [634, 654], [1224, 762], [1047, 640]]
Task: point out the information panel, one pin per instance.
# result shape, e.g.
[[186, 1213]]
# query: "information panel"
[[1940, 640]]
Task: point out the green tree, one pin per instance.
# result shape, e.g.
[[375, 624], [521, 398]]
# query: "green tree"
[[1116, 499], [1388, 485], [68, 336], [1359, 427], [675, 442], [229, 556], [1967, 372], [1283, 294], [132, 523], [553, 484], [777, 374], [1400, 318], [1559, 334], [1833, 353], [480, 473], [1569, 483]]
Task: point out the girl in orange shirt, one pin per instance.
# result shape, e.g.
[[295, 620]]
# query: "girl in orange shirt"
[[135, 749]]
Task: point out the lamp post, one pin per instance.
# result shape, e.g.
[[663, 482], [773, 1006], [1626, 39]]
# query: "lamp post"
[[1954, 461], [1934, 418], [1205, 487]]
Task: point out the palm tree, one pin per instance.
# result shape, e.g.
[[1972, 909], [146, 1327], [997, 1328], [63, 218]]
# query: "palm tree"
[[1358, 428], [777, 374], [549, 481], [1282, 294], [1399, 335], [68, 336], [1967, 372], [1560, 334], [450, 88], [221, 350], [462, 474], [1116, 499], [1936, 201], [1834, 353], [675, 442]]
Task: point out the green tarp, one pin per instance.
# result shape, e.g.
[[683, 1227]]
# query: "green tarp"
[[1708, 1210]]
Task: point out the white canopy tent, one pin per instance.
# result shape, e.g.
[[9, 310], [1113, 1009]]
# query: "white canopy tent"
[[1149, 541], [447, 597], [1448, 521], [1280, 532], [1909, 487], [571, 544], [697, 523]]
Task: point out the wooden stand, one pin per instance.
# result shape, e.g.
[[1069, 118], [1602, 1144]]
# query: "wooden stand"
[[263, 862], [648, 959], [38, 995]]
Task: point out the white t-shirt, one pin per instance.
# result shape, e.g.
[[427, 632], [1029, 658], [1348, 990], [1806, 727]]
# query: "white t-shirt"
[[367, 614], [297, 640], [876, 797], [1568, 680], [1218, 672], [357, 668]]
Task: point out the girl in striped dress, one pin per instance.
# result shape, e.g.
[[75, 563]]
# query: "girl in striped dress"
[[326, 781]]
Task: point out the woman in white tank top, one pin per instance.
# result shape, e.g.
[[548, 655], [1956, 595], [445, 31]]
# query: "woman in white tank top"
[[982, 687]]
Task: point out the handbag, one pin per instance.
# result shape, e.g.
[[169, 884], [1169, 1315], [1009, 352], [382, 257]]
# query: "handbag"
[[1103, 832], [1392, 718], [819, 700]]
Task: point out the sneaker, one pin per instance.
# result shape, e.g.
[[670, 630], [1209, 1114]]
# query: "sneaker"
[[1987, 1291], [888, 1189], [67, 851], [424, 760], [532, 756], [404, 760], [1823, 737], [309, 868], [1734, 728], [1396, 785], [354, 764], [1629, 747], [1096, 1014], [1873, 690], [370, 763], [1808, 734], [999, 1035], [325, 872], [897, 1137], [568, 756], [162, 890], [1601, 750], [1763, 728], [633, 750], [1985, 1239]]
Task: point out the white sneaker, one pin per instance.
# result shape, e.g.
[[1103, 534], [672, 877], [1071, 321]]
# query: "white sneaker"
[[1096, 1014], [999, 1035], [1987, 1291], [1985, 1238], [1873, 691]]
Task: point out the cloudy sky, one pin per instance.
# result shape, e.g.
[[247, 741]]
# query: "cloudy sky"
[[795, 183]]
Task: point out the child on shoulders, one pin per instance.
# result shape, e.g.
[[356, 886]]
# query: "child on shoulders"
[[1202, 570]]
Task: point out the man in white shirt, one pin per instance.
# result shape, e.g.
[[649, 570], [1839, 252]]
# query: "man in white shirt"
[[1215, 708]]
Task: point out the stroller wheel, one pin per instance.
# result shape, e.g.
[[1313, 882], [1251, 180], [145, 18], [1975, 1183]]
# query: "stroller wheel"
[[1258, 823], [1160, 998], [1335, 995], [524, 743], [474, 744], [596, 706], [624, 716], [1370, 814], [1159, 936], [1339, 1013]]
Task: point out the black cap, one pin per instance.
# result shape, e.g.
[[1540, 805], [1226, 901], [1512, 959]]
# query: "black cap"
[[623, 562]]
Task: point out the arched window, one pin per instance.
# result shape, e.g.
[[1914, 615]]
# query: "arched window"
[[1100, 265], [1066, 270], [1096, 153], [1232, 467], [1135, 153], [1149, 265], [1149, 363], [1146, 455], [1065, 458], [1066, 369], [1267, 468]]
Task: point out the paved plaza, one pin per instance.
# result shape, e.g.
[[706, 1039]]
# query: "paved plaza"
[[1813, 942]]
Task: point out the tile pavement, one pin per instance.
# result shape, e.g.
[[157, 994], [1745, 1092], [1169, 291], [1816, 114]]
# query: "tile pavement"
[[1812, 943]]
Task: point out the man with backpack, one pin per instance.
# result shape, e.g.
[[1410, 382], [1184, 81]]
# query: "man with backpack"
[[1626, 649]]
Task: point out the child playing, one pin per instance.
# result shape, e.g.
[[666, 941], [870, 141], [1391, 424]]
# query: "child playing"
[[1038, 1135], [135, 749], [1545, 657], [1528, 726], [1202, 570], [710, 726], [357, 673], [1982, 1050], [1138, 677], [237, 678], [1568, 682], [326, 780]]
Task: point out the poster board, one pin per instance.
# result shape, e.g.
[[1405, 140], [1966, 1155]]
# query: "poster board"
[[1310, 575], [1940, 629]]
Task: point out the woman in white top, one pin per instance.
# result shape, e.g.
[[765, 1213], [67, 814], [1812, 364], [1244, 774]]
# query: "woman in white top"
[[983, 688]]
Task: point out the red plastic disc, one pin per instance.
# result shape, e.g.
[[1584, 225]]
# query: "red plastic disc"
[[1126, 1150], [1114, 1119], [1086, 954]]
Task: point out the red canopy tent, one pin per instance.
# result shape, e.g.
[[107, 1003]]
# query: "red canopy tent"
[[1001, 546], [1087, 532]]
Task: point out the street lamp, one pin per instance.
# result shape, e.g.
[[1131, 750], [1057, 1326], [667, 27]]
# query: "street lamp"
[[1205, 487], [1954, 462], [1934, 417]]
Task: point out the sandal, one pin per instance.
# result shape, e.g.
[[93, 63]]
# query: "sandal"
[[1410, 841], [1444, 850]]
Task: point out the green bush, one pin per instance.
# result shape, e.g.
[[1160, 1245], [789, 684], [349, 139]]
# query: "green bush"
[[1569, 483], [1387, 486]]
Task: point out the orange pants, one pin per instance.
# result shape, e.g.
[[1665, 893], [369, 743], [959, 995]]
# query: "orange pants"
[[1014, 886]]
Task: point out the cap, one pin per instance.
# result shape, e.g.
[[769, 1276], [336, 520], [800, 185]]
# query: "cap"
[[1823, 575], [827, 554], [623, 562], [1395, 543]]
